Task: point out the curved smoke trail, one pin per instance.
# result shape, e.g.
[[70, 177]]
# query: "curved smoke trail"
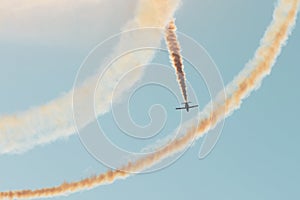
[[248, 80], [54, 120], [175, 56]]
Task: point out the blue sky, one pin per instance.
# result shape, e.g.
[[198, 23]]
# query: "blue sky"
[[256, 156]]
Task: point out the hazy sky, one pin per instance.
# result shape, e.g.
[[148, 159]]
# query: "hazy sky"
[[42, 47]]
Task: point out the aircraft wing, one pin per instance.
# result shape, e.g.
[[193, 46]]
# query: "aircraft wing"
[[193, 106], [181, 108]]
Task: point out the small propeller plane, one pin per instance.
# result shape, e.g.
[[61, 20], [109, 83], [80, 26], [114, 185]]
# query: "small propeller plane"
[[187, 106]]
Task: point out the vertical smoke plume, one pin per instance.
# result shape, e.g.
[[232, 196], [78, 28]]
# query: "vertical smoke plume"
[[249, 79], [54, 120], [175, 56]]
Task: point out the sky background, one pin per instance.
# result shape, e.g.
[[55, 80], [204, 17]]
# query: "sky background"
[[257, 156]]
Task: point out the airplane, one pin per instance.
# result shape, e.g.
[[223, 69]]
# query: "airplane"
[[187, 106]]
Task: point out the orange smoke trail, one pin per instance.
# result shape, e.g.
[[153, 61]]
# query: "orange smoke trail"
[[175, 56], [264, 58]]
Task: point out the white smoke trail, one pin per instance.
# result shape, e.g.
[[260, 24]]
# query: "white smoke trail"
[[249, 79], [54, 120]]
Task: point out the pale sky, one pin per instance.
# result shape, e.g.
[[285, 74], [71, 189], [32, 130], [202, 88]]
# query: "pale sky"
[[257, 156]]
